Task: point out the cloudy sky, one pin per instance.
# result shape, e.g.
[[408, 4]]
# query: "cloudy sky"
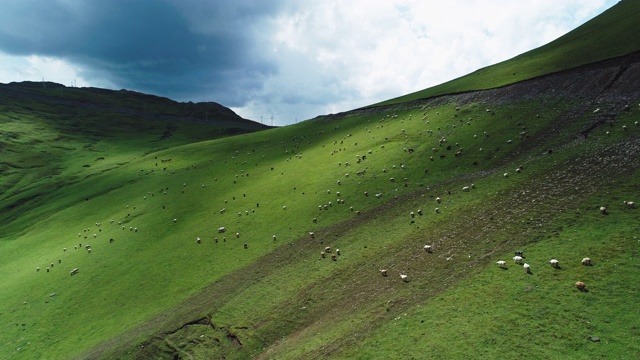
[[287, 59]]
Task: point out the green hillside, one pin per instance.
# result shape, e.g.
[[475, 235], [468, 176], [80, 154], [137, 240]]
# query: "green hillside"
[[613, 33], [476, 175]]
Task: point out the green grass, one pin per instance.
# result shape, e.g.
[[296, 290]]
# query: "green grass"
[[157, 293]]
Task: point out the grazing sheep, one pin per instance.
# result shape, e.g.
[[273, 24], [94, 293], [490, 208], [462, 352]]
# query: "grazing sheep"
[[315, 220], [327, 249], [502, 264], [527, 268], [437, 210], [274, 238], [221, 230], [338, 252], [404, 277], [517, 259], [312, 234], [465, 189], [74, 271], [603, 210], [555, 263], [586, 261], [519, 253], [438, 200], [334, 257], [38, 269], [412, 214], [419, 212], [323, 254], [506, 175], [198, 240], [175, 220], [428, 248], [237, 235], [581, 286], [246, 246], [383, 272], [64, 249], [630, 204]]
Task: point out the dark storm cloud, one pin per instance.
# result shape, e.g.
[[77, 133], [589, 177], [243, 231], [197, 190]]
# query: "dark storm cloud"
[[178, 49]]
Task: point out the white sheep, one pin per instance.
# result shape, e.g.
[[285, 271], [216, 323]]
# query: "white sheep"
[[517, 259], [586, 261], [383, 272], [502, 264], [630, 204], [555, 263], [404, 277], [603, 210], [527, 268], [428, 248], [312, 234], [438, 200], [465, 189]]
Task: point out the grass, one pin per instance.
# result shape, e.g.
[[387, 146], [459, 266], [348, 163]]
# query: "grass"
[[157, 293]]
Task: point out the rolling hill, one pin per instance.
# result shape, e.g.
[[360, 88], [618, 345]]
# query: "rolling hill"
[[519, 164]]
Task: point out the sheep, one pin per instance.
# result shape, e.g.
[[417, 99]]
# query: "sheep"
[[555, 263], [383, 272], [175, 221], [502, 264], [327, 249], [198, 240], [581, 286], [338, 252], [274, 238], [438, 200], [437, 210], [221, 230], [428, 248], [323, 254], [527, 268], [246, 246], [237, 235], [412, 214], [312, 234], [586, 261], [465, 189], [38, 269], [64, 249], [630, 204], [404, 277], [334, 257], [603, 210], [74, 271], [517, 259], [519, 253], [284, 207], [419, 212]]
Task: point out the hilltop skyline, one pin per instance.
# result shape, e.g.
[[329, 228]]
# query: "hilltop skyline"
[[283, 59]]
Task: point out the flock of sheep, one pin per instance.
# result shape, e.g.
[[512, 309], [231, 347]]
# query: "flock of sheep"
[[442, 142]]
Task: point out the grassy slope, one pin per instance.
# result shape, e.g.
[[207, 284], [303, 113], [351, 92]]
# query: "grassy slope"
[[609, 35], [279, 299]]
